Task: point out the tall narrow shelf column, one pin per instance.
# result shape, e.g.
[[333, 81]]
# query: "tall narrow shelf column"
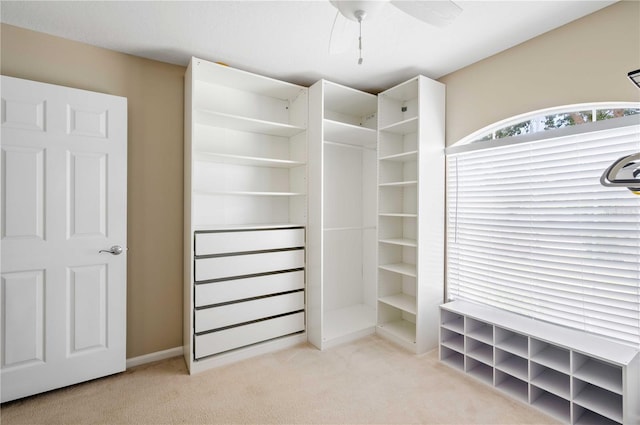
[[411, 212], [245, 214], [342, 214]]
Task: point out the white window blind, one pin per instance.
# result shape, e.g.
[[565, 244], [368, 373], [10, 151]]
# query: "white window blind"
[[531, 230]]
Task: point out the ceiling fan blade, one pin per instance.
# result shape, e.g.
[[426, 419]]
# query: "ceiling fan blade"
[[439, 13], [343, 34]]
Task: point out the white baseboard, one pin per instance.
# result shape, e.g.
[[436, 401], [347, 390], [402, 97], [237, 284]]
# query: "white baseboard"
[[153, 357]]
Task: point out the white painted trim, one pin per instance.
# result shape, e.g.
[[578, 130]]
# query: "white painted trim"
[[153, 357]]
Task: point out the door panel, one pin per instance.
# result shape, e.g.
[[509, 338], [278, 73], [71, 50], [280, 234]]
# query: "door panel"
[[64, 174], [88, 311], [87, 194], [23, 178], [23, 318]]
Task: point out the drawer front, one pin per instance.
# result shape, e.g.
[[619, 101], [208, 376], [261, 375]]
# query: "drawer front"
[[242, 241], [239, 289], [228, 339], [247, 311], [239, 265]]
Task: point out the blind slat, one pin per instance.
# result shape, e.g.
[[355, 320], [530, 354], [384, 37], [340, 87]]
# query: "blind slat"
[[531, 230]]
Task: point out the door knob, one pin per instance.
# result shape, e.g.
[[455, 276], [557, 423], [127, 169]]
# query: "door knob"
[[114, 250]]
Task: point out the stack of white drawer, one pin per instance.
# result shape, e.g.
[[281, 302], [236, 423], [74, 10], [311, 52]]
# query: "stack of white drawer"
[[249, 287]]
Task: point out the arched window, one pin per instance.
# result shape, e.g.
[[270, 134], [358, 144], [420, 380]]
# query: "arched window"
[[530, 229], [552, 119]]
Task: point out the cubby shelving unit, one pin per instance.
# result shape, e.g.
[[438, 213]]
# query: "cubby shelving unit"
[[410, 212], [576, 377], [245, 180], [342, 221]]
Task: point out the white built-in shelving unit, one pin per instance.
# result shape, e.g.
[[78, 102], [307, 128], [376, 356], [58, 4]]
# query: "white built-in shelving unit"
[[576, 377], [342, 214], [411, 212], [245, 180]]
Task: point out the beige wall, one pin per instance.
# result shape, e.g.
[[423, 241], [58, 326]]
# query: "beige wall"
[[155, 118], [584, 61]]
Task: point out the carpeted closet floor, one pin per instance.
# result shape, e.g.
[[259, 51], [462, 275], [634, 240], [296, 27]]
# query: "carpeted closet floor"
[[370, 381]]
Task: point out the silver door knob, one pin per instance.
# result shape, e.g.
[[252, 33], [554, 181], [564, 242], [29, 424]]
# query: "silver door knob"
[[114, 250]]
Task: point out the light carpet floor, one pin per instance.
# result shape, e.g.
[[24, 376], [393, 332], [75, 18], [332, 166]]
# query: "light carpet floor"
[[370, 381]]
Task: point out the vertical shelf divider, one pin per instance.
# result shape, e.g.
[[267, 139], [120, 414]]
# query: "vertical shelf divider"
[[577, 378], [410, 208]]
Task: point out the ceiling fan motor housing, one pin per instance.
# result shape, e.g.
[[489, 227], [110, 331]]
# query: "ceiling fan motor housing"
[[356, 10]]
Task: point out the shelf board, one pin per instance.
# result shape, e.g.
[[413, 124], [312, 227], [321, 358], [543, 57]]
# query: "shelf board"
[[553, 357], [401, 157], [516, 344], [212, 73], [591, 418], [246, 160], [240, 123], [483, 333], [400, 241], [482, 353], [600, 401], [401, 268], [407, 126], [554, 382], [407, 215], [402, 301], [335, 131], [243, 226], [515, 366], [247, 193], [400, 184], [401, 329]]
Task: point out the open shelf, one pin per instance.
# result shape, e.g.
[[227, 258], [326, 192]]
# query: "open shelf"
[[598, 373], [452, 321], [550, 355], [401, 268], [245, 150], [479, 370], [339, 132], [587, 417], [532, 363], [512, 386], [479, 351], [480, 331], [599, 400], [401, 157], [402, 301], [512, 364], [250, 125], [246, 160], [247, 193], [399, 184], [410, 193], [400, 329], [451, 357], [550, 380], [553, 405], [512, 342], [400, 241]]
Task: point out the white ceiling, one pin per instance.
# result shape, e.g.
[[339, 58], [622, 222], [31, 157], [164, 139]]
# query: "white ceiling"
[[289, 39]]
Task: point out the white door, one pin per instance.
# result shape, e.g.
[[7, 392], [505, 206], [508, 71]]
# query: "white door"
[[64, 176]]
